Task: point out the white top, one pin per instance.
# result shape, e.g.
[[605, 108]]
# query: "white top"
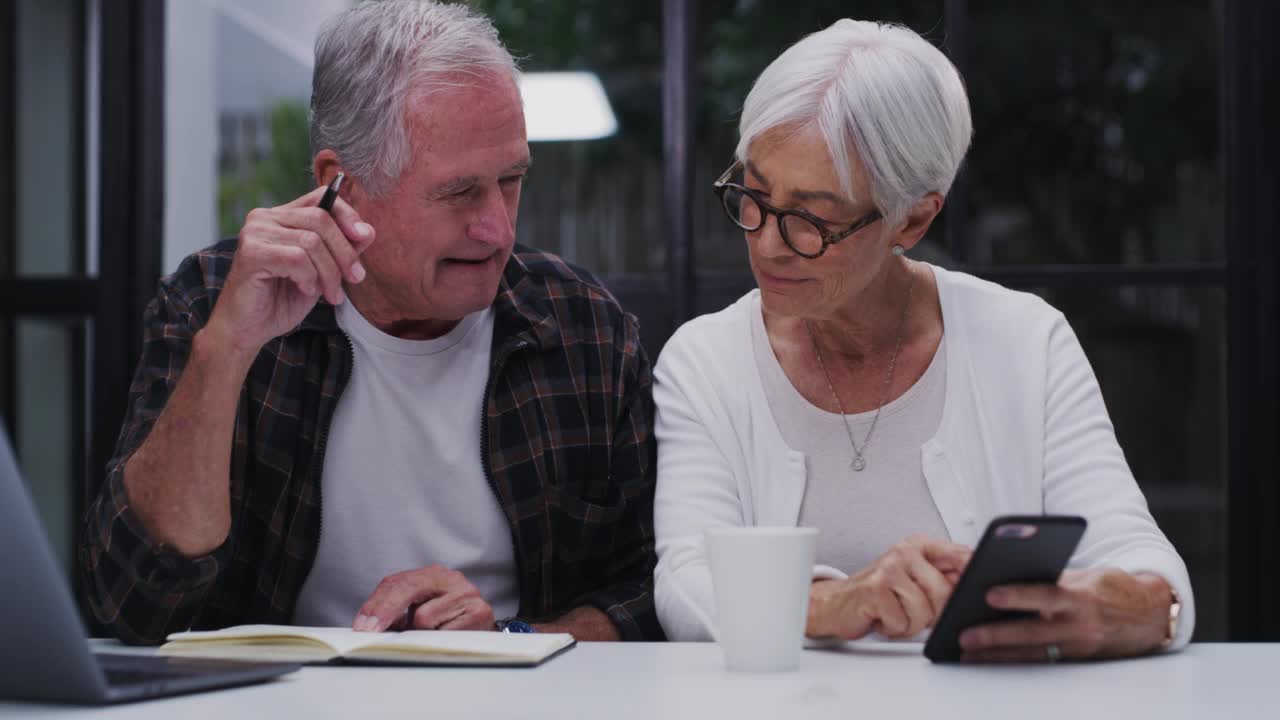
[[861, 514], [679, 681], [403, 485], [1024, 431]]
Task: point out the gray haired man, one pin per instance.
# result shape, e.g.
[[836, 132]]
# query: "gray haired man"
[[475, 415]]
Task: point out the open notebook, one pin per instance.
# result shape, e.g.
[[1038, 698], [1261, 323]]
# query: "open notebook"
[[327, 644]]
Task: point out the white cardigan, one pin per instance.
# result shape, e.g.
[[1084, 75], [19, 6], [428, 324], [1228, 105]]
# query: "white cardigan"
[[1024, 431]]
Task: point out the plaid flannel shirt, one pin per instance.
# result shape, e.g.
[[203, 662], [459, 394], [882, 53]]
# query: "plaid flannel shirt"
[[566, 442]]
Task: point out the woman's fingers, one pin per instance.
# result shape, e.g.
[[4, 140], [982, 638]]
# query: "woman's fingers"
[[933, 583], [891, 615], [945, 556], [1010, 655], [1015, 633], [1026, 640], [1045, 599], [898, 596], [917, 607], [907, 587]]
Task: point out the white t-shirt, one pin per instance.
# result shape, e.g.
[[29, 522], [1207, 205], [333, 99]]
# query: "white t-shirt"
[[403, 484]]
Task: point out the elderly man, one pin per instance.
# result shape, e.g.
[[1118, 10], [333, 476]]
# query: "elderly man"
[[475, 415]]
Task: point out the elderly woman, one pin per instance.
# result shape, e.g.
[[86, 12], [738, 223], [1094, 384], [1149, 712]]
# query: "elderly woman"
[[894, 405]]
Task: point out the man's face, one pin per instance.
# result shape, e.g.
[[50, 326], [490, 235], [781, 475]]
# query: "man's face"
[[447, 225]]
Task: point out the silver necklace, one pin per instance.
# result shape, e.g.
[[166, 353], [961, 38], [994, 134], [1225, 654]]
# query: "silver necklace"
[[859, 461]]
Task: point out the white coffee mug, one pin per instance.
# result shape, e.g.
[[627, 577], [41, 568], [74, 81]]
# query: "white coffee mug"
[[761, 578]]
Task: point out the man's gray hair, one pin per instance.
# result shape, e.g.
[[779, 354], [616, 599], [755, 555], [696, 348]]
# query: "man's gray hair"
[[877, 91], [372, 59]]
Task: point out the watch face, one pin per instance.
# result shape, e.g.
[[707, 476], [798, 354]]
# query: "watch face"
[[519, 626]]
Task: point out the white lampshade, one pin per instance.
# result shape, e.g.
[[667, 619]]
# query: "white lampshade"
[[566, 106]]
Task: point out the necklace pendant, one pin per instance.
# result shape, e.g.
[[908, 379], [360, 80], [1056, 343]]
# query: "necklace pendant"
[[858, 464]]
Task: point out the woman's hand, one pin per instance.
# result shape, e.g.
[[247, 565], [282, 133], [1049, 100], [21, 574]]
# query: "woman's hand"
[[1089, 614], [899, 595]]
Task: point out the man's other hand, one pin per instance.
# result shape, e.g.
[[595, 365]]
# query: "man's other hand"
[[431, 598]]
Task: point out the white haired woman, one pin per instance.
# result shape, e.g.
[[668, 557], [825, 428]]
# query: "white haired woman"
[[894, 405]]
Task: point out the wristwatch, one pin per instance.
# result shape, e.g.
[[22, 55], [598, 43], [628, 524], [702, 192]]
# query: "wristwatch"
[[1175, 609], [513, 625]]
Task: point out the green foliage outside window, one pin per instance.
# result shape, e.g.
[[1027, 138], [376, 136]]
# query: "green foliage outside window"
[[281, 175]]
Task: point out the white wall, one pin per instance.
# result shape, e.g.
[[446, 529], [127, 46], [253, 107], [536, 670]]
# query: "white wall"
[[266, 50], [191, 130], [224, 55]]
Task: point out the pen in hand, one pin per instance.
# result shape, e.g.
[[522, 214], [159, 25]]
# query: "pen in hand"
[[326, 203], [331, 194]]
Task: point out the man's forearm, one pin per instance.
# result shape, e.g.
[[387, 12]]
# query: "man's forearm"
[[178, 480], [584, 623]]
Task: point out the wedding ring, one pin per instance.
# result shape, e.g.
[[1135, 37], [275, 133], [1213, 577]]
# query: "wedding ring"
[[1053, 652]]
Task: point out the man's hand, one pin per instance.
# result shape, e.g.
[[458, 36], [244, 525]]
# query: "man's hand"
[[1088, 614], [899, 595], [287, 258], [178, 480], [431, 598]]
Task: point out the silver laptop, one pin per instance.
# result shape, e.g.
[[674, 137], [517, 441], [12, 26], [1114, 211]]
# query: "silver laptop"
[[43, 651]]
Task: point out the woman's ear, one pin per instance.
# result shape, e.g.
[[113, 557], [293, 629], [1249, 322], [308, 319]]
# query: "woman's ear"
[[918, 219]]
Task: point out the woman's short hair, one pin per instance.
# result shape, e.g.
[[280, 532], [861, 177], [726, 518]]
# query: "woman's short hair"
[[373, 58], [876, 91]]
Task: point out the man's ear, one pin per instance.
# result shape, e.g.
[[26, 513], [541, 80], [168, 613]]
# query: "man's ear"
[[326, 167], [919, 218]]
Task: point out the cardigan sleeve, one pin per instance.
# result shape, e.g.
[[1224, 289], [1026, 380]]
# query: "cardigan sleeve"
[[1085, 473], [696, 488], [703, 472]]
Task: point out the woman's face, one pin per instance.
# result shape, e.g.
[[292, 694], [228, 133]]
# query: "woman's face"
[[793, 170]]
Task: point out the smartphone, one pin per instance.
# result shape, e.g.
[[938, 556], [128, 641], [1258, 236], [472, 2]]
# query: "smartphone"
[[1016, 549]]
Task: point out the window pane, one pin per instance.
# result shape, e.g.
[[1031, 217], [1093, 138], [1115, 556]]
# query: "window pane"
[[1159, 355], [8, 387], [1096, 132], [599, 202], [735, 42], [50, 434], [46, 114]]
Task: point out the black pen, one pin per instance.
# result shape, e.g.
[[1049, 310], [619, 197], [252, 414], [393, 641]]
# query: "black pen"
[[331, 194]]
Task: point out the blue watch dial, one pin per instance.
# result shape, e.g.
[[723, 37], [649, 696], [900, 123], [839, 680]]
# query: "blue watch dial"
[[518, 626]]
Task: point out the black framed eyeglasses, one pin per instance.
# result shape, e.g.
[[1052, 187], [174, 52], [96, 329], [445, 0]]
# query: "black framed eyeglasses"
[[805, 233]]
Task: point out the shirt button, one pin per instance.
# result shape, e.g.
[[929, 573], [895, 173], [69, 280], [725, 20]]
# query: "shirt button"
[[969, 520]]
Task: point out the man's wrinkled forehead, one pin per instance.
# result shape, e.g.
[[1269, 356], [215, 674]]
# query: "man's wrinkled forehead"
[[472, 122], [480, 105]]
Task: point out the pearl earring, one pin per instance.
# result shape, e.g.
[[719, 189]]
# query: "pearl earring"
[[899, 251]]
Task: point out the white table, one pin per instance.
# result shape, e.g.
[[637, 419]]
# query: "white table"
[[687, 680]]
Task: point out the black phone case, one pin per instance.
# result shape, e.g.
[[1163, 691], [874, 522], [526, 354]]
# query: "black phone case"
[[1002, 561]]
